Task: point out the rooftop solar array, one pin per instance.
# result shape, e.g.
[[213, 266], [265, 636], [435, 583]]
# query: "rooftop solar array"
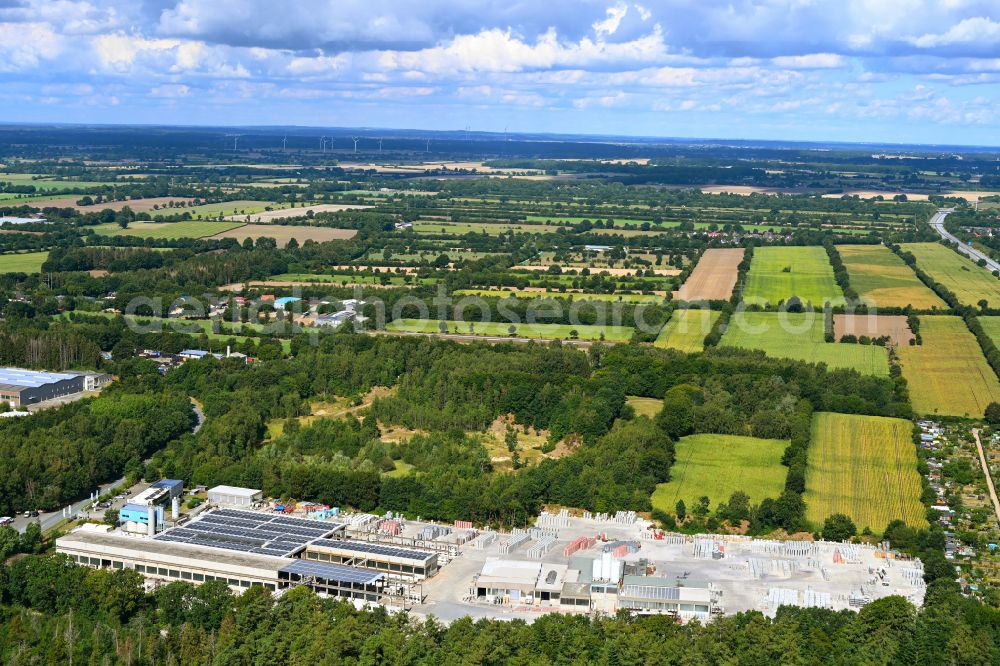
[[249, 532], [651, 592], [31, 378], [333, 572], [363, 547]]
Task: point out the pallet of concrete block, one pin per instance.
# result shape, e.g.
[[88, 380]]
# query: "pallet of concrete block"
[[540, 532], [709, 549], [814, 599], [546, 519], [782, 596], [578, 544], [542, 546], [484, 540], [390, 527], [431, 532], [846, 554], [515, 539], [360, 521], [463, 524], [621, 548], [625, 517]]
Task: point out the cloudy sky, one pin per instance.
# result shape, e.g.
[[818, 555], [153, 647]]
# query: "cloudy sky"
[[924, 71]]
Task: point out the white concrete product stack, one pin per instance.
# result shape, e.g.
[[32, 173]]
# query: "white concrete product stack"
[[431, 532], [484, 540], [913, 576], [625, 518], [673, 539], [757, 567], [540, 532], [798, 548], [782, 596], [516, 538], [360, 521], [848, 554], [784, 568], [707, 549], [541, 547], [813, 599], [546, 519]]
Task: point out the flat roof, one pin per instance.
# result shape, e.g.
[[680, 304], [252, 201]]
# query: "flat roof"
[[235, 490], [503, 572], [223, 560], [31, 378], [333, 572], [382, 549], [168, 483]]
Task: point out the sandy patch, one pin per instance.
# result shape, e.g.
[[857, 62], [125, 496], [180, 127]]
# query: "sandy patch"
[[282, 233], [870, 194], [714, 277], [874, 326]]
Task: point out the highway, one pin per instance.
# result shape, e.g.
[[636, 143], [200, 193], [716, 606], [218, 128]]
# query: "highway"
[[937, 224]]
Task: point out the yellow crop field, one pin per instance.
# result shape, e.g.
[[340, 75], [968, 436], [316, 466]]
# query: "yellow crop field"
[[864, 467]]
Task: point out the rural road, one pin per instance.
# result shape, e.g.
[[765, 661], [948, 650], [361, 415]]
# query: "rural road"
[[989, 477], [937, 224]]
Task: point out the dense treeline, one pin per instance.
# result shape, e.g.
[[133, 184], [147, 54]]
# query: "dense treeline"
[[62, 454]]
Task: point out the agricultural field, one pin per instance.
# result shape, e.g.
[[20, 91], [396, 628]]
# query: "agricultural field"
[[571, 295], [864, 467], [883, 280], [687, 329], [717, 466], [714, 277], [241, 207], [801, 336], [778, 273], [502, 329], [148, 205], [166, 230], [969, 282], [49, 183], [286, 213], [873, 326], [28, 262], [992, 327], [948, 374], [283, 233], [435, 227]]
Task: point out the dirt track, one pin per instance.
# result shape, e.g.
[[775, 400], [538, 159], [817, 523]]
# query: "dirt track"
[[714, 277]]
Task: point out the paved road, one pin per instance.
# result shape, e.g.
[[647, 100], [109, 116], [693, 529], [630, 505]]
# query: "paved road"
[[937, 224], [989, 477]]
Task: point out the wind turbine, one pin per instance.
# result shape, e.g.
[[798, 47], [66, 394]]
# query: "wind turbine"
[[322, 144], [380, 145], [284, 144], [236, 139], [428, 149], [356, 139]]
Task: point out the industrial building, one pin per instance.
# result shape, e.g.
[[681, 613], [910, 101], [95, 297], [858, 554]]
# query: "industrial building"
[[234, 496], [26, 387], [144, 513], [409, 563], [247, 548]]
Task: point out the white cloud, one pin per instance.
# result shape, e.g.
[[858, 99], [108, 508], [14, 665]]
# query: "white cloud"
[[170, 90], [976, 30], [811, 61], [609, 25]]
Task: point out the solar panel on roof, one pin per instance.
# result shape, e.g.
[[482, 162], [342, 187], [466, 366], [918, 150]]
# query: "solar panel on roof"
[[376, 549], [333, 572]]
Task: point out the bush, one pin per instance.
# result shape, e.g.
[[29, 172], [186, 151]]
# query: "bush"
[[839, 527]]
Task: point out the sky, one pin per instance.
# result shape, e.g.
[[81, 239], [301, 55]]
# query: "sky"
[[893, 71]]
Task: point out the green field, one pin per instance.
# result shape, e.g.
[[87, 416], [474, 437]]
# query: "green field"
[[800, 336], [644, 406], [488, 228], [686, 330], [778, 273], [576, 296], [193, 229], [241, 207], [864, 467], [541, 331], [29, 262], [948, 374], [992, 327], [966, 280], [883, 280], [49, 182], [717, 466]]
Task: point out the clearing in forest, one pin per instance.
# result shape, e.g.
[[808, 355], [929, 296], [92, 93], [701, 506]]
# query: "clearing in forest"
[[716, 466]]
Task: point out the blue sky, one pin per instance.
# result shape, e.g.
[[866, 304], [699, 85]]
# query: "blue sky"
[[924, 71]]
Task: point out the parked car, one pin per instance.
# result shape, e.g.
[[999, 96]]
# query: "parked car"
[[34, 513], [6, 520]]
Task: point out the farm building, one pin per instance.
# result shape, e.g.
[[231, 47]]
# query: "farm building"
[[234, 496], [25, 387]]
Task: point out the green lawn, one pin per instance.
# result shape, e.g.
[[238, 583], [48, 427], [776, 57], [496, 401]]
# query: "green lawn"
[[716, 466], [882, 279], [542, 331], [29, 262], [190, 229], [687, 329], [800, 336], [778, 273], [969, 282]]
